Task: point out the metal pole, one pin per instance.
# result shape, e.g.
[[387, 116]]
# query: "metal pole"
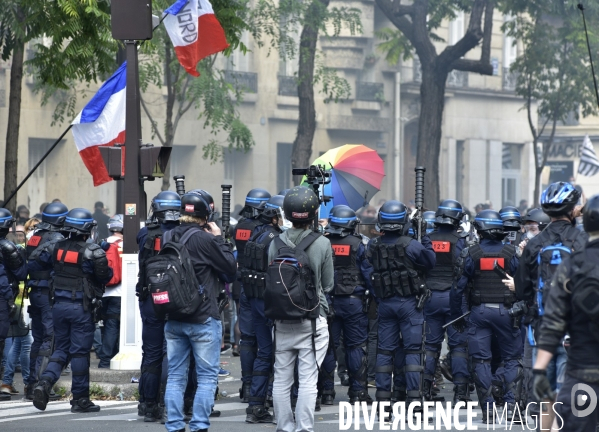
[[133, 185], [14, 193], [397, 136], [581, 7]]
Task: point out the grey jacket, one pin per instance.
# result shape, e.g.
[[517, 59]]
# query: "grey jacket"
[[321, 262]]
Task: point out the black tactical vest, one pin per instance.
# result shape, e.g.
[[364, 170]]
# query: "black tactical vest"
[[34, 248], [440, 277], [394, 273], [347, 272], [256, 256], [150, 248], [68, 269], [486, 284], [243, 233]]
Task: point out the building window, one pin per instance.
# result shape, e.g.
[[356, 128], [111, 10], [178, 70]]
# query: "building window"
[[510, 174], [459, 170], [284, 152], [456, 28], [510, 53], [180, 160]]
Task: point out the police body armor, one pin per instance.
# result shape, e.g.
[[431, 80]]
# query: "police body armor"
[[35, 246], [441, 276], [486, 284], [243, 233], [68, 270], [394, 273], [347, 273], [150, 248], [256, 256]]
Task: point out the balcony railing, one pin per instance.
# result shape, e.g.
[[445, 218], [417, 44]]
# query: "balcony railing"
[[246, 81], [509, 79], [287, 86], [457, 79], [369, 91]]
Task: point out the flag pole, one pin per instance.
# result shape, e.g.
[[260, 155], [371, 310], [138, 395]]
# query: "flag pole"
[[14, 193], [581, 7]]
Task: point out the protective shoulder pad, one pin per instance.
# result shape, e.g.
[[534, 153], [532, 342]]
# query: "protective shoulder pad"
[[475, 251]]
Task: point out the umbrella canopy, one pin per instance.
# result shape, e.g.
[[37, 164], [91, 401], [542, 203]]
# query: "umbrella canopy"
[[356, 175]]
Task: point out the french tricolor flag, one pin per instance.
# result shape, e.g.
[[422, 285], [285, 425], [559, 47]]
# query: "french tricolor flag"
[[102, 123], [194, 31]]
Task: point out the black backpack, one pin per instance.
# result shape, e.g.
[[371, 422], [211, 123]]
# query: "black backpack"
[[290, 293], [172, 281]]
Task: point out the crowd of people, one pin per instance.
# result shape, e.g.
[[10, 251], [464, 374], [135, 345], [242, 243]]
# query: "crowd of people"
[[513, 295]]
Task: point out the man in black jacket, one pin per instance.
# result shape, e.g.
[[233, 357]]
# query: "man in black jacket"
[[199, 334]]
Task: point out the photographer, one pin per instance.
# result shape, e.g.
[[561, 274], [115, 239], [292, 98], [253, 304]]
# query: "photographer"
[[198, 334]]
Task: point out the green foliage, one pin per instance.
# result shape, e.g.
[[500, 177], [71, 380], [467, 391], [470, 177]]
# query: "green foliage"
[[395, 45], [278, 24]]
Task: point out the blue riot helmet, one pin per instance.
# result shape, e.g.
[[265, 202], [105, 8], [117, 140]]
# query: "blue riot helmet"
[[511, 218], [6, 221], [166, 206], [559, 199], [79, 221], [342, 220], [115, 223], [273, 209], [489, 225], [255, 202], [430, 218], [53, 217], [393, 215], [449, 212]]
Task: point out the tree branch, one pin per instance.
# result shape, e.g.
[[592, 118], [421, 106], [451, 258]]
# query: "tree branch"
[[152, 121], [401, 10], [401, 22]]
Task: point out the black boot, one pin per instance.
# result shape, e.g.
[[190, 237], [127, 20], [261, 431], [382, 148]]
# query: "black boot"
[[317, 406], [268, 402], [141, 409], [398, 395], [152, 413], [461, 393], [244, 392], [328, 397], [257, 414], [84, 405], [41, 394], [359, 396], [344, 378], [29, 391], [414, 396], [426, 389], [214, 413], [388, 411]]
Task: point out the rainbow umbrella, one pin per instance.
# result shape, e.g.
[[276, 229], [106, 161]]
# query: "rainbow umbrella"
[[356, 175]]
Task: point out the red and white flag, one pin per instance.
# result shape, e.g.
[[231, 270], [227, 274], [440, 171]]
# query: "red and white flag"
[[195, 32], [102, 123]]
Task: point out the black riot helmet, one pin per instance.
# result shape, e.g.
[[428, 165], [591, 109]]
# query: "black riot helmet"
[[255, 201], [79, 221], [537, 215], [6, 221], [450, 212], [53, 217], [206, 195], [511, 218], [489, 225], [393, 215], [559, 199], [300, 205], [272, 209], [342, 220], [590, 215], [284, 192], [115, 223], [166, 206], [430, 218], [194, 204]]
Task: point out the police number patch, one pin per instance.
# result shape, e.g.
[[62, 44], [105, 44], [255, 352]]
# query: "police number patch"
[[242, 234], [189, 208], [441, 246], [160, 298], [488, 263], [34, 241], [341, 250]]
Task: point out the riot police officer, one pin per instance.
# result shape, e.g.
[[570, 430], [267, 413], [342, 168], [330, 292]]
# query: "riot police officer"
[[572, 307], [165, 208], [13, 268], [256, 256], [398, 262], [512, 221], [40, 248], [350, 301], [249, 225], [80, 272], [489, 299], [447, 244]]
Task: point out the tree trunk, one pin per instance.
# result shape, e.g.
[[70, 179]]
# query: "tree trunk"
[[14, 119], [302, 146], [537, 196], [432, 100], [169, 133]]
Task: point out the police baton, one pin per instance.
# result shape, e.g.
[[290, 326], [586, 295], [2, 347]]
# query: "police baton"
[[226, 210], [419, 199], [455, 320], [180, 184]]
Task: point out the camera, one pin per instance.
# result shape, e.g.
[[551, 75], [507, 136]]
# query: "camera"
[[518, 309], [315, 174]]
